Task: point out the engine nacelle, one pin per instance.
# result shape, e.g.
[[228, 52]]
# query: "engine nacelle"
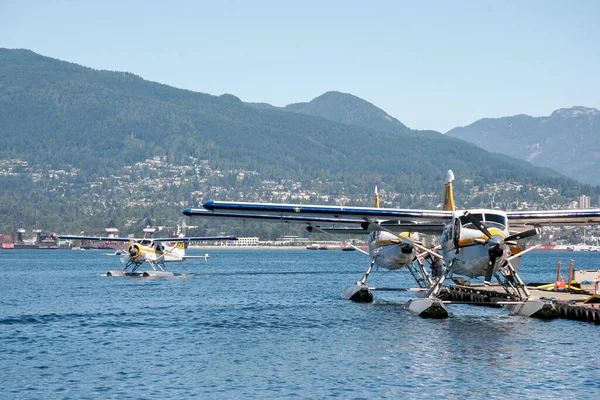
[[136, 252]]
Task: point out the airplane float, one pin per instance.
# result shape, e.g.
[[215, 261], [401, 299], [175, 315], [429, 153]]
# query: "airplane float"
[[155, 252], [473, 243]]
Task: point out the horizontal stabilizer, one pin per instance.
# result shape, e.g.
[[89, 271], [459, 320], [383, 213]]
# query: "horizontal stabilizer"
[[204, 257]]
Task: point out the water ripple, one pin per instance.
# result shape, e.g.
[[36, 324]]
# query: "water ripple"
[[269, 325]]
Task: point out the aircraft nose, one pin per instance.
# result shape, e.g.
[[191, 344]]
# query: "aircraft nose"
[[133, 250], [496, 240]]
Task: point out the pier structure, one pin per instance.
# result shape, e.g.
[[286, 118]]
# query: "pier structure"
[[575, 306]]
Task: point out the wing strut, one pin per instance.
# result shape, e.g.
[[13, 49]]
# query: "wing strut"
[[377, 227], [310, 228]]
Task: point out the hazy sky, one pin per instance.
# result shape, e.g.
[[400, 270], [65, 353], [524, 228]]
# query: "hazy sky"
[[431, 64]]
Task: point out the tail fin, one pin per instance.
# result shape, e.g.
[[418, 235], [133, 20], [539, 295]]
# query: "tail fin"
[[181, 233], [448, 200], [376, 198]]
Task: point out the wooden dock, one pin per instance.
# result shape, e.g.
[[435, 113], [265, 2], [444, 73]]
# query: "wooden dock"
[[569, 305]]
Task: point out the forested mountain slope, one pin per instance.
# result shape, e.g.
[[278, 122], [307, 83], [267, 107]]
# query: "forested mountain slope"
[[99, 129], [567, 141]]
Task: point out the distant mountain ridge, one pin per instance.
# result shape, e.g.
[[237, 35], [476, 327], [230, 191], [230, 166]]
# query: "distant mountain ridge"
[[346, 109], [349, 109], [59, 111], [567, 141]]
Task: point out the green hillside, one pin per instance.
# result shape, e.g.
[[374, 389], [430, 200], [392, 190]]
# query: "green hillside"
[[96, 126], [349, 109]]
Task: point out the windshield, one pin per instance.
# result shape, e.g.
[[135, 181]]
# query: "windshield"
[[496, 220], [489, 220]]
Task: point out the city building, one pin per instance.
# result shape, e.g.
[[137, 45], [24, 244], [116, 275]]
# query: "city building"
[[584, 201]]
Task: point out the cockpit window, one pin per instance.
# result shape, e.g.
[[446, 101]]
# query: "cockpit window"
[[497, 219], [489, 220], [467, 224]]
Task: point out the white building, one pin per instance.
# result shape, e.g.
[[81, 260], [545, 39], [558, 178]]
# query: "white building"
[[244, 241], [291, 240]]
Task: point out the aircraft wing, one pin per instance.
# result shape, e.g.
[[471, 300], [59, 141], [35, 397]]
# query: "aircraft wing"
[[200, 212], [431, 228], [314, 213], [193, 238], [97, 238], [170, 239], [554, 217]]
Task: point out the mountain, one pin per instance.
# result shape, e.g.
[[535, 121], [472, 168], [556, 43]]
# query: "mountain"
[[347, 109], [80, 146], [57, 113], [566, 141]]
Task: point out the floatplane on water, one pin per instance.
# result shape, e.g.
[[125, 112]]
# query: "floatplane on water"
[[152, 252], [473, 243]]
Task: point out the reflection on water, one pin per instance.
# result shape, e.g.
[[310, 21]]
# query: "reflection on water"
[[270, 324]]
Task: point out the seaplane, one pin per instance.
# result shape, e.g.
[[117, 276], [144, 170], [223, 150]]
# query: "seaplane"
[[152, 253], [473, 243]]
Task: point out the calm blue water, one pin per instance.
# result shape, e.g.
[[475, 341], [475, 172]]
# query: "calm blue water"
[[271, 324]]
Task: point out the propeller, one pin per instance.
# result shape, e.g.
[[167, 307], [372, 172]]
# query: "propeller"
[[133, 251], [497, 243], [473, 219], [512, 239], [494, 252], [372, 226]]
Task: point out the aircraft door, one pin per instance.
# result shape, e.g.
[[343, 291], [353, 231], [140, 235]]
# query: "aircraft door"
[[456, 233]]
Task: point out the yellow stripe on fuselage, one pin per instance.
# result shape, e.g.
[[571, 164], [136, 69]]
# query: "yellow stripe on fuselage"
[[384, 242], [149, 250], [178, 245], [469, 241]]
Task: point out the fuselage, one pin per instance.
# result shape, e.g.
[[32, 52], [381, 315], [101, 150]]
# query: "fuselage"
[[389, 252], [148, 250], [473, 254]]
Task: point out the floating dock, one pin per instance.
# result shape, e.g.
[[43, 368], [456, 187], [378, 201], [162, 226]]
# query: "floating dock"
[[569, 305]]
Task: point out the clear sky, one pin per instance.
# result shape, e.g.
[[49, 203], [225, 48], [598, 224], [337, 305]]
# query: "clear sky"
[[431, 64]]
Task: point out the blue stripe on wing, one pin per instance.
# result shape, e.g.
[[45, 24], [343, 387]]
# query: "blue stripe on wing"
[[97, 238], [288, 210], [554, 217], [193, 238]]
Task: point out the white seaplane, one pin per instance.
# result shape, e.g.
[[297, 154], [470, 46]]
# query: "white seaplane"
[[474, 243], [154, 252]]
